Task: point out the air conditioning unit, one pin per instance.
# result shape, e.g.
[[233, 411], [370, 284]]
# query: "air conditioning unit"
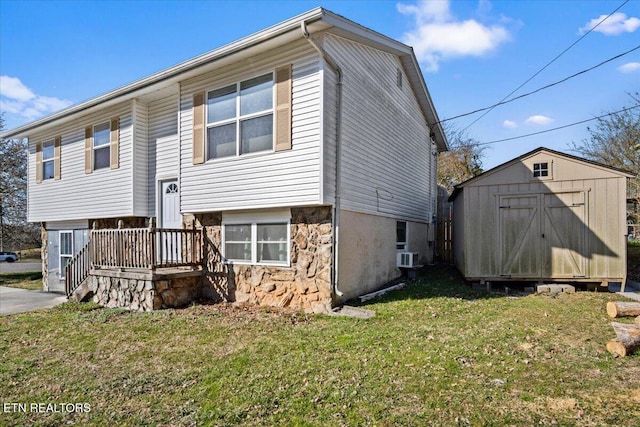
[[407, 259]]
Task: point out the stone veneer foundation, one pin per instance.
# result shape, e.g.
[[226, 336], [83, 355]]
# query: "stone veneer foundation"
[[305, 285], [145, 290]]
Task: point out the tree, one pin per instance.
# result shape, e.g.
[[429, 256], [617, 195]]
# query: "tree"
[[615, 141], [461, 162], [15, 232]]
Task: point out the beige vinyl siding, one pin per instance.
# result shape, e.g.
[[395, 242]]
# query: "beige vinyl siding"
[[164, 148], [140, 160], [268, 179], [100, 194], [385, 139]]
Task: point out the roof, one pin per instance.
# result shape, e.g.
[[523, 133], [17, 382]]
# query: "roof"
[[317, 20], [458, 188]]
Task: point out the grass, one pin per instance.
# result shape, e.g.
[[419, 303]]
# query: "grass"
[[31, 280], [436, 353]]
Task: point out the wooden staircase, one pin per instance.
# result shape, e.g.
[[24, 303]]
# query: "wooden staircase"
[[133, 249]]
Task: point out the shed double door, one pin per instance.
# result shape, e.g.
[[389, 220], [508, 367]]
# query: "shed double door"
[[543, 235]]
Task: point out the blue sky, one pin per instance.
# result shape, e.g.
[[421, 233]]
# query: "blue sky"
[[472, 53]]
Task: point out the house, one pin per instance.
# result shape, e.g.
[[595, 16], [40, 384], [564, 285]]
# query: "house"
[[545, 216], [286, 168]]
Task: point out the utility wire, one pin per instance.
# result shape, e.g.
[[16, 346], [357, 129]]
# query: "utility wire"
[[541, 88], [548, 64], [556, 128]]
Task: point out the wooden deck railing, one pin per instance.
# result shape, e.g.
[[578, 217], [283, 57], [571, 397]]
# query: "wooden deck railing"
[[146, 248], [139, 248], [77, 270]]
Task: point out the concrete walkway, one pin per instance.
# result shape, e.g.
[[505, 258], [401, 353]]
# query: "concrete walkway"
[[631, 290], [14, 300]]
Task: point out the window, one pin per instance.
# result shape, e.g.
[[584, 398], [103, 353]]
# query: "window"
[[66, 250], [240, 118], [540, 170], [257, 243], [48, 160], [401, 235], [101, 146]]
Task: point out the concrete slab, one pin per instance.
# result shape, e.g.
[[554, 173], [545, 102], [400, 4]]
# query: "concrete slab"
[[14, 300], [350, 311], [555, 289]]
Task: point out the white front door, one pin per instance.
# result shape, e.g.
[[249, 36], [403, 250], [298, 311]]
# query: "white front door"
[[170, 214], [170, 242]]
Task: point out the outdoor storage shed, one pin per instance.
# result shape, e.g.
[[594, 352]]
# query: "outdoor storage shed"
[[543, 216]]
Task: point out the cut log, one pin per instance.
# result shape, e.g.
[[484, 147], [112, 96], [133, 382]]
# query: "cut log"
[[627, 339], [621, 309], [637, 322]]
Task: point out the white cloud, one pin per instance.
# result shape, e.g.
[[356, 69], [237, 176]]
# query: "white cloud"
[[12, 88], [438, 35], [629, 67], [617, 23], [509, 124], [539, 119], [19, 100]]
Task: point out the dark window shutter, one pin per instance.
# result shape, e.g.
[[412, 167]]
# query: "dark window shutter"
[[88, 149], [283, 108], [198, 128], [38, 163], [115, 143], [57, 147]]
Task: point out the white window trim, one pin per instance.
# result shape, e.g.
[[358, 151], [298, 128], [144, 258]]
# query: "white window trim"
[[238, 118], [549, 175], [60, 255], [51, 159], [406, 237], [105, 145], [255, 219]]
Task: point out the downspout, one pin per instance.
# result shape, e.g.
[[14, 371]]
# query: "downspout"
[[335, 220]]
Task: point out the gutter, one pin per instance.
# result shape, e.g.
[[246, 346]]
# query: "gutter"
[[335, 219]]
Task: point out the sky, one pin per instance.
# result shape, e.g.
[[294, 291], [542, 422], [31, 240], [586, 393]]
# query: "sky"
[[54, 54]]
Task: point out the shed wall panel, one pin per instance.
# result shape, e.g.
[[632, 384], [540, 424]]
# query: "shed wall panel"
[[601, 254]]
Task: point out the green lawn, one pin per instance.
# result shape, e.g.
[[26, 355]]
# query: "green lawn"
[[436, 353], [25, 280]]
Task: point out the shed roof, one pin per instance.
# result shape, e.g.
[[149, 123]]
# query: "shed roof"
[[458, 188], [317, 20]]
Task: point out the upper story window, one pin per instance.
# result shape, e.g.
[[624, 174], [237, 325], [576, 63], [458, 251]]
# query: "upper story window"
[[48, 160], [240, 118], [540, 170], [101, 146]]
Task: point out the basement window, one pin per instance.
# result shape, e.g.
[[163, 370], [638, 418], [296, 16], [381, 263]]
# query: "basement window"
[[540, 170], [401, 236]]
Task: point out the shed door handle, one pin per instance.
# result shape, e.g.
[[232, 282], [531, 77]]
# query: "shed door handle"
[[543, 235]]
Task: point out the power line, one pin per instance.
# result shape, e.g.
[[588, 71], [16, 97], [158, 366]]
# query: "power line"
[[556, 128], [548, 64], [540, 88]]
